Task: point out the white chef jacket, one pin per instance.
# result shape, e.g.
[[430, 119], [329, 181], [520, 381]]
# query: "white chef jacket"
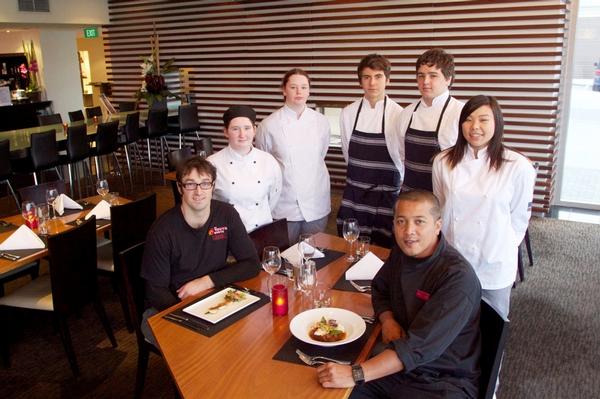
[[486, 212], [426, 119], [299, 145], [369, 121], [251, 183]]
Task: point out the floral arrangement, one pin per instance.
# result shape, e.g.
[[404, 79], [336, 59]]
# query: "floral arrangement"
[[154, 87], [32, 71]]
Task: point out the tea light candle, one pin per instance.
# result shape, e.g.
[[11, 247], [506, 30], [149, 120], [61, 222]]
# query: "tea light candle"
[[65, 127], [279, 300], [95, 119]]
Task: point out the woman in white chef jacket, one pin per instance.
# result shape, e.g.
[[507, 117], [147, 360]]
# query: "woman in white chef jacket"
[[486, 191], [298, 137], [247, 178]]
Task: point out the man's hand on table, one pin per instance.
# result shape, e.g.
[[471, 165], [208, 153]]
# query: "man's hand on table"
[[195, 287], [332, 375]]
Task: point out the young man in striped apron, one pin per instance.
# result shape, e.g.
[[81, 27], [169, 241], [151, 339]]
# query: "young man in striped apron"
[[429, 125], [370, 144]]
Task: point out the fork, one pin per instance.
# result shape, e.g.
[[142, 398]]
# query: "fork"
[[315, 360], [8, 256], [361, 288]]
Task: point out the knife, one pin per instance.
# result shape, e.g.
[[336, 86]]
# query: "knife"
[[8, 256], [186, 321]]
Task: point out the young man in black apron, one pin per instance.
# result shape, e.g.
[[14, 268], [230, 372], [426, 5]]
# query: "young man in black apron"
[[429, 125], [370, 144]]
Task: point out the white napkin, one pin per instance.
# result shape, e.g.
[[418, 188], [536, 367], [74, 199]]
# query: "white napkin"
[[293, 255], [22, 238], [102, 211], [365, 269], [63, 202]]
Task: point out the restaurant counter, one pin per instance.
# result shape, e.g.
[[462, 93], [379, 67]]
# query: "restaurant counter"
[[21, 115]]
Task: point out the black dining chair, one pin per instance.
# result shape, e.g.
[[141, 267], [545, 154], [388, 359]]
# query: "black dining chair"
[[125, 106], [187, 122], [6, 171], [78, 151], [175, 158], [203, 144], [157, 128], [132, 136], [44, 153], [93, 111], [274, 233], [52, 119], [107, 143], [75, 116], [37, 193], [130, 224], [70, 285], [494, 335]]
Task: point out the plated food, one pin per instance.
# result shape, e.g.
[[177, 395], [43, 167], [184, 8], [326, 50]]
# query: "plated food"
[[221, 304], [327, 326], [327, 330], [232, 295]]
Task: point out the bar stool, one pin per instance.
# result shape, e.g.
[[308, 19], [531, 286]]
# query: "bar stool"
[[107, 142], [188, 121], [75, 116], [78, 150], [44, 154], [52, 119], [6, 169], [93, 111], [132, 136], [157, 128], [204, 144]]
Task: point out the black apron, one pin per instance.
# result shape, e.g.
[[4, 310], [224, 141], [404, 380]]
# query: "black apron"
[[420, 147], [372, 185]]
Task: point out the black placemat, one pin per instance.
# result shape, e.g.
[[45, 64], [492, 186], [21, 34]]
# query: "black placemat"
[[348, 352], [344, 285], [209, 329], [24, 252], [99, 222], [85, 205], [330, 256], [5, 226]]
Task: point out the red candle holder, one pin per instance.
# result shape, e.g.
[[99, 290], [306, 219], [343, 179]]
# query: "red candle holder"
[[279, 300]]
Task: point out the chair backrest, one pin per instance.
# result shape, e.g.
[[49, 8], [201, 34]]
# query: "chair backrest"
[[5, 167], [175, 158], [78, 147], [37, 194], [188, 118], [157, 122], [51, 119], [274, 233], [107, 137], [93, 111], [125, 106], [204, 144], [132, 127], [133, 284], [130, 224], [75, 116], [44, 153], [494, 333], [73, 270]]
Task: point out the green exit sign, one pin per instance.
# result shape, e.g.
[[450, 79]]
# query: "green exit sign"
[[90, 33]]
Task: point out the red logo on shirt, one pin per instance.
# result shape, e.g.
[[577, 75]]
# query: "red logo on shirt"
[[217, 233], [422, 295]]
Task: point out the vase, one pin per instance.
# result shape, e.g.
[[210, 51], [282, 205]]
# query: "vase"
[[158, 105], [34, 96]]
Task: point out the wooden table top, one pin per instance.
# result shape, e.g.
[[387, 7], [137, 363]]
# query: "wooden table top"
[[171, 176], [55, 226], [237, 362]]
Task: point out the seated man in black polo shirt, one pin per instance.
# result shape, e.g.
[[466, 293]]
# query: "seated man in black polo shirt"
[[427, 298], [187, 247]]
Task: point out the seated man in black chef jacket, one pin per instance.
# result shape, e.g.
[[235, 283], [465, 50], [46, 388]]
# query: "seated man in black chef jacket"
[[427, 298], [187, 247]]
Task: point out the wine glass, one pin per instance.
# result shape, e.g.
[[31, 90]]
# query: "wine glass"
[[306, 246], [351, 230], [307, 278], [271, 262], [102, 187], [51, 195]]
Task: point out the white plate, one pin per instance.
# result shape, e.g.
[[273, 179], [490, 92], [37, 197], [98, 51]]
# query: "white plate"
[[200, 308], [301, 324]]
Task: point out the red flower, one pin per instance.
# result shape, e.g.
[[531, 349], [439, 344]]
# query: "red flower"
[[155, 84]]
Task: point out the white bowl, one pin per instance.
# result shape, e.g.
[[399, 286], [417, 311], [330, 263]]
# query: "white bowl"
[[353, 324]]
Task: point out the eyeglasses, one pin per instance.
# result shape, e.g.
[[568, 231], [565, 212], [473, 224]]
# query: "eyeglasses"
[[191, 186]]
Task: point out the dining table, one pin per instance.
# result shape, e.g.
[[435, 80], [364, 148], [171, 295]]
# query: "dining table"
[[55, 226], [238, 361]]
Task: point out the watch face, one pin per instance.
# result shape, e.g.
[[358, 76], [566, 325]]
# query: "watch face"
[[357, 374]]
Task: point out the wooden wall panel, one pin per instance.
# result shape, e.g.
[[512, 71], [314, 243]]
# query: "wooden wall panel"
[[237, 52]]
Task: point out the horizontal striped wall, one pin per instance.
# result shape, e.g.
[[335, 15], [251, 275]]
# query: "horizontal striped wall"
[[237, 52]]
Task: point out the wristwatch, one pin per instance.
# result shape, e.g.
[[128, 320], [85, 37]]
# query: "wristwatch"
[[357, 374]]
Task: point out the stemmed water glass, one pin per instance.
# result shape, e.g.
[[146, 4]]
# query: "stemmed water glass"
[[102, 187], [51, 195], [271, 262], [306, 246], [351, 230]]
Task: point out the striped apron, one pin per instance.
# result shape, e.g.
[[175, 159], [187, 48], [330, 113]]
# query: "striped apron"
[[420, 147], [372, 185]]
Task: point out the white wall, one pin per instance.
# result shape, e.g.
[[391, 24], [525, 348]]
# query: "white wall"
[[61, 69], [79, 12]]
